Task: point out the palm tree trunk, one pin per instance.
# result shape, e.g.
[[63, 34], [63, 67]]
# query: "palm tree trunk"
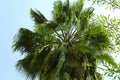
[[85, 67], [85, 75]]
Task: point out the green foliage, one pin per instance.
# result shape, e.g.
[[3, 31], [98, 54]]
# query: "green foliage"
[[113, 3], [68, 47], [26, 41], [112, 27], [37, 16]]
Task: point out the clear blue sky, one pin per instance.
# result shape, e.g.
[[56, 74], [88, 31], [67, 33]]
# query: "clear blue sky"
[[14, 14]]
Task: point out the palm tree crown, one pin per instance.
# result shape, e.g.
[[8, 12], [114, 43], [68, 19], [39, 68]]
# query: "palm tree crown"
[[67, 47]]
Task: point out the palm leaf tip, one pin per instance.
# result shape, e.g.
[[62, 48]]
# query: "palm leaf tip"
[[22, 67], [24, 41], [37, 16]]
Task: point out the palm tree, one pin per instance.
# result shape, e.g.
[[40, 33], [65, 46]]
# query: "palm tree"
[[68, 47]]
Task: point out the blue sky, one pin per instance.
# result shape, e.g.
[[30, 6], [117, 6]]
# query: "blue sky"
[[14, 14]]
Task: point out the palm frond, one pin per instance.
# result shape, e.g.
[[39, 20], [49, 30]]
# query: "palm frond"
[[32, 64], [24, 66], [106, 58], [26, 41], [99, 38], [78, 8], [57, 12], [37, 16], [84, 17]]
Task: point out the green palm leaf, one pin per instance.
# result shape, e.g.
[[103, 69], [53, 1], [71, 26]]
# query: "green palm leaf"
[[26, 41], [37, 16]]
